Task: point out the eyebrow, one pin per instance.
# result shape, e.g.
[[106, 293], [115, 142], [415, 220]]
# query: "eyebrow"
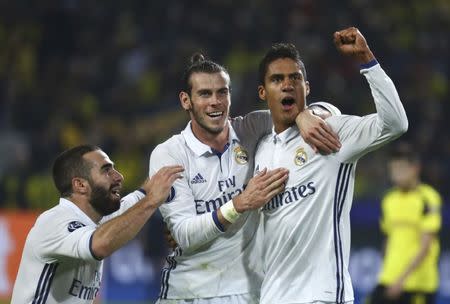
[[107, 165]]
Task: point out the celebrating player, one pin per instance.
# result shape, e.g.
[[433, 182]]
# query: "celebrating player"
[[306, 243], [62, 258], [209, 212]]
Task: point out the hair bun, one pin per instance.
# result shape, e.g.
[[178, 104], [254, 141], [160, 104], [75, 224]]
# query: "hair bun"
[[197, 57]]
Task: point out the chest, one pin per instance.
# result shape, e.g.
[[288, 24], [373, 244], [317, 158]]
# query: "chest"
[[215, 175], [404, 208], [303, 163]]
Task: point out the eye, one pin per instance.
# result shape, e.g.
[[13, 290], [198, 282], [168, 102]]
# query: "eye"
[[296, 77], [204, 93], [277, 79], [223, 92]]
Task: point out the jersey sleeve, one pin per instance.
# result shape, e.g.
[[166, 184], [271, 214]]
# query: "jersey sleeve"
[[253, 126], [126, 203], [189, 229], [432, 218], [360, 135], [55, 238]]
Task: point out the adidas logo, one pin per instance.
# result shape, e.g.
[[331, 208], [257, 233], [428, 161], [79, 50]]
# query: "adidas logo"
[[198, 179]]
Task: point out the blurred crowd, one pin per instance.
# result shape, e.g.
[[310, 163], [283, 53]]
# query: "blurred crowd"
[[108, 72]]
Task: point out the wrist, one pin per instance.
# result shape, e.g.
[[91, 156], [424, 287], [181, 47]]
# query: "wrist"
[[229, 212], [366, 57]]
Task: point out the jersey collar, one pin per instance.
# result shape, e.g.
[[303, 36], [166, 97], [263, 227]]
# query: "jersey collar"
[[200, 148], [68, 204], [285, 136]]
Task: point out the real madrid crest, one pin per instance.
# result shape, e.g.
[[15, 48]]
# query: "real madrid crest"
[[240, 155], [300, 157]]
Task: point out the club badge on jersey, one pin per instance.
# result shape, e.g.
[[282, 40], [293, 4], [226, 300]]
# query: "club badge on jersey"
[[240, 155], [300, 157]]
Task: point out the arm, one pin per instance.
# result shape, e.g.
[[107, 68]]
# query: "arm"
[[260, 189], [115, 233], [313, 129], [190, 228], [364, 134], [394, 290], [126, 203]]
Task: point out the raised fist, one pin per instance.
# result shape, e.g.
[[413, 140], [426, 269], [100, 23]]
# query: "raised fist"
[[352, 43]]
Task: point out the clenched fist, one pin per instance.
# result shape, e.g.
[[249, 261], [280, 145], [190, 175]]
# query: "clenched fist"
[[352, 43]]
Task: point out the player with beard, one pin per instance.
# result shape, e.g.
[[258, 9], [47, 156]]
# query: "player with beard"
[[63, 253]]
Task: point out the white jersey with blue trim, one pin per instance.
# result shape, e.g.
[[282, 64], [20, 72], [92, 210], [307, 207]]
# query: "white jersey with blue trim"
[[57, 264], [306, 243], [209, 262]]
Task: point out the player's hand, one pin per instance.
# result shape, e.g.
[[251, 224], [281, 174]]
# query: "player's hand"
[[158, 186], [352, 43], [260, 189], [317, 133], [394, 291]]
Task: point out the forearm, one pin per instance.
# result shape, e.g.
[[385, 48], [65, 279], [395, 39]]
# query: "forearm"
[[391, 115], [115, 233], [191, 233], [424, 248], [126, 202]]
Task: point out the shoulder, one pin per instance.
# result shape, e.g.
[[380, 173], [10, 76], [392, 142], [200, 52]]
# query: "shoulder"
[[55, 223], [430, 194], [171, 147], [389, 195]]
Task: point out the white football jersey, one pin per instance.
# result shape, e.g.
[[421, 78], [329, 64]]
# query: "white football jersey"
[[209, 262], [57, 265], [306, 243]]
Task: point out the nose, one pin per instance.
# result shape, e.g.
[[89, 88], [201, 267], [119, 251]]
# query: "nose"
[[117, 176], [287, 85], [215, 100]]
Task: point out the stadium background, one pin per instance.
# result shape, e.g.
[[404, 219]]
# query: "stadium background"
[[107, 72]]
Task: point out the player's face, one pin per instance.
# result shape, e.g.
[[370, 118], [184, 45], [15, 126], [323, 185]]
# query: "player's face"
[[105, 183], [209, 102], [403, 173], [285, 91]]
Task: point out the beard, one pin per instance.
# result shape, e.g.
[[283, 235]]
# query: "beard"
[[103, 201], [201, 121]]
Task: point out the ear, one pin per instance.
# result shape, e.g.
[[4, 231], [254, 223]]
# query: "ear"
[[307, 88], [185, 101], [262, 92], [80, 185]]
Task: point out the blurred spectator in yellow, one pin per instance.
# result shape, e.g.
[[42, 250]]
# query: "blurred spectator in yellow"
[[411, 220]]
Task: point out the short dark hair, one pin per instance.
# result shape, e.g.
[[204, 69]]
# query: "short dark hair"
[[277, 51], [404, 151], [198, 64], [70, 164]]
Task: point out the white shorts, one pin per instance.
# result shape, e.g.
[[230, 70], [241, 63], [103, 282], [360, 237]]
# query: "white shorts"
[[233, 299]]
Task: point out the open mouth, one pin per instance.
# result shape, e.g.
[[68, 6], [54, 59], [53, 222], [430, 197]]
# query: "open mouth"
[[215, 114], [288, 102], [116, 191]]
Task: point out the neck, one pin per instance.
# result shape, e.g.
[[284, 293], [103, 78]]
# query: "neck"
[[410, 186], [86, 207], [280, 127], [217, 141]]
